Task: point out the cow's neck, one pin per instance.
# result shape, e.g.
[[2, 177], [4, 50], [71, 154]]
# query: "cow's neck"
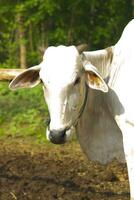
[[97, 132]]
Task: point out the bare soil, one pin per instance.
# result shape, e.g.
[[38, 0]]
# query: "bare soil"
[[32, 171]]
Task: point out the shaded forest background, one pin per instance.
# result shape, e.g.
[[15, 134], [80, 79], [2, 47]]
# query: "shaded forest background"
[[28, 27]]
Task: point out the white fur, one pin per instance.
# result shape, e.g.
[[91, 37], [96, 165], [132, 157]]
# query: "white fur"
[[106, 127], [115, 106]]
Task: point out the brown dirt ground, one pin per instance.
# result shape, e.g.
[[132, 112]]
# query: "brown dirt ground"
[[32, 171]]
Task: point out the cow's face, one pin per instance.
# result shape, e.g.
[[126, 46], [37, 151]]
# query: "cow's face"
[[64, 74], [64, 89]]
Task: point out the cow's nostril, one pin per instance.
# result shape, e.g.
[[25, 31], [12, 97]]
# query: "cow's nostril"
[[57, 137]]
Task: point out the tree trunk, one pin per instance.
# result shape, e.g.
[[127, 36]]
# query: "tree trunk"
[[43, 38], [31, 37], [70, 31], [22, 42]]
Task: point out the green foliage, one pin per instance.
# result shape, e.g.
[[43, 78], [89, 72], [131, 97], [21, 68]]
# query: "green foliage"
[[22, 113], [52, 22], [112, 17]]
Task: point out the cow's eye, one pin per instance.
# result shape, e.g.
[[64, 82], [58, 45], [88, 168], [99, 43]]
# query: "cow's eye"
[[77, 81]]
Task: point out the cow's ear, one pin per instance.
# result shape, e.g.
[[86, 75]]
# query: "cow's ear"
[[93, 78], [27, 79]]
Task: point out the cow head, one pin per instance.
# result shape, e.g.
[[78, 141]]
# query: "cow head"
[[64, 73]]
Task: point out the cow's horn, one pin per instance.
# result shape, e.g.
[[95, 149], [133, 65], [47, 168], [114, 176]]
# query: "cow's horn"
[[82, 47]]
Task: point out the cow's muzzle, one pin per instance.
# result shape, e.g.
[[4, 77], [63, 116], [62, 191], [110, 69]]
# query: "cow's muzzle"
[[57, 137]]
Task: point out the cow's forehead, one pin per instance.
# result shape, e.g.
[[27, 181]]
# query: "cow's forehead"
[[60, 64]]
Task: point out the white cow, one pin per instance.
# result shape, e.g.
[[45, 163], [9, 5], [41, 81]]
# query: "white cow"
[[102, 113]]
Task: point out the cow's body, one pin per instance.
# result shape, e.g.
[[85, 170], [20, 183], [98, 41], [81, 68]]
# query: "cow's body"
[[104, 111], [105, 122], [109, 117]]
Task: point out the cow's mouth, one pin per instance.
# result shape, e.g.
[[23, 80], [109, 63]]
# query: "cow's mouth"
[[59, 137]]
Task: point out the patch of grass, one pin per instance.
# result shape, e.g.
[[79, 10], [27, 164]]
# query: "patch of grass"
[[22, 112]]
